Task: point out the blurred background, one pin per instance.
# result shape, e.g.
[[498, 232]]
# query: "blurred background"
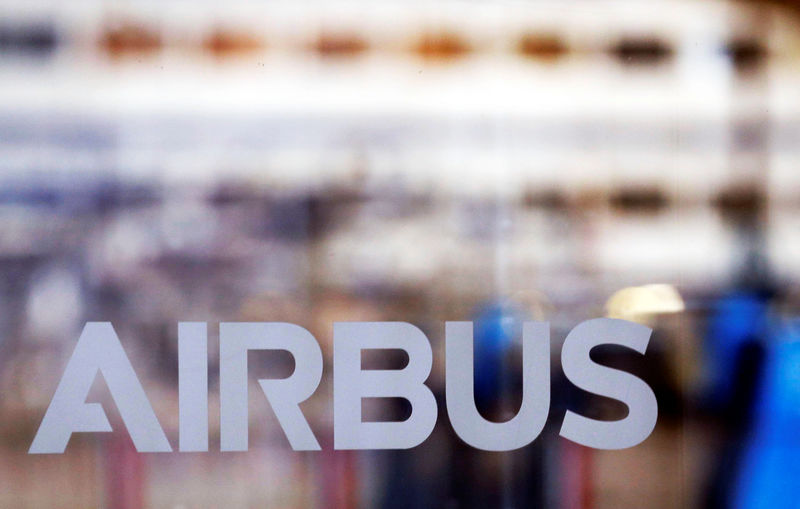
[[315, 161]]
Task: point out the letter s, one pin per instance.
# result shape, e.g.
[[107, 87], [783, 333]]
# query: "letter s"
[[612, 383]]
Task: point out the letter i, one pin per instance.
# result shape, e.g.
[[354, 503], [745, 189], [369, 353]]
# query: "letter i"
[[193, 386]]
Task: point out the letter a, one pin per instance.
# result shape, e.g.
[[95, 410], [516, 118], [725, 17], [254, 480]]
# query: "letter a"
[[98, 349]]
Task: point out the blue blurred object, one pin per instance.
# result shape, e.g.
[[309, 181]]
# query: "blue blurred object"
[[769, 476], [497, 324], [737, 319]]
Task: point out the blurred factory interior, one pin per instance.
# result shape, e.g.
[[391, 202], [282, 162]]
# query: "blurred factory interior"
[[314, 162]]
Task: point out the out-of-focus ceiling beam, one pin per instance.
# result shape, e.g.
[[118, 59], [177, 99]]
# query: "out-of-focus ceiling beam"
[[792, 5]]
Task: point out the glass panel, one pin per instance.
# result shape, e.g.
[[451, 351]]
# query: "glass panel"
[[496, 163]]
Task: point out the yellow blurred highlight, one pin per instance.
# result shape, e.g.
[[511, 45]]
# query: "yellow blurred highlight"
[[638, 303]]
